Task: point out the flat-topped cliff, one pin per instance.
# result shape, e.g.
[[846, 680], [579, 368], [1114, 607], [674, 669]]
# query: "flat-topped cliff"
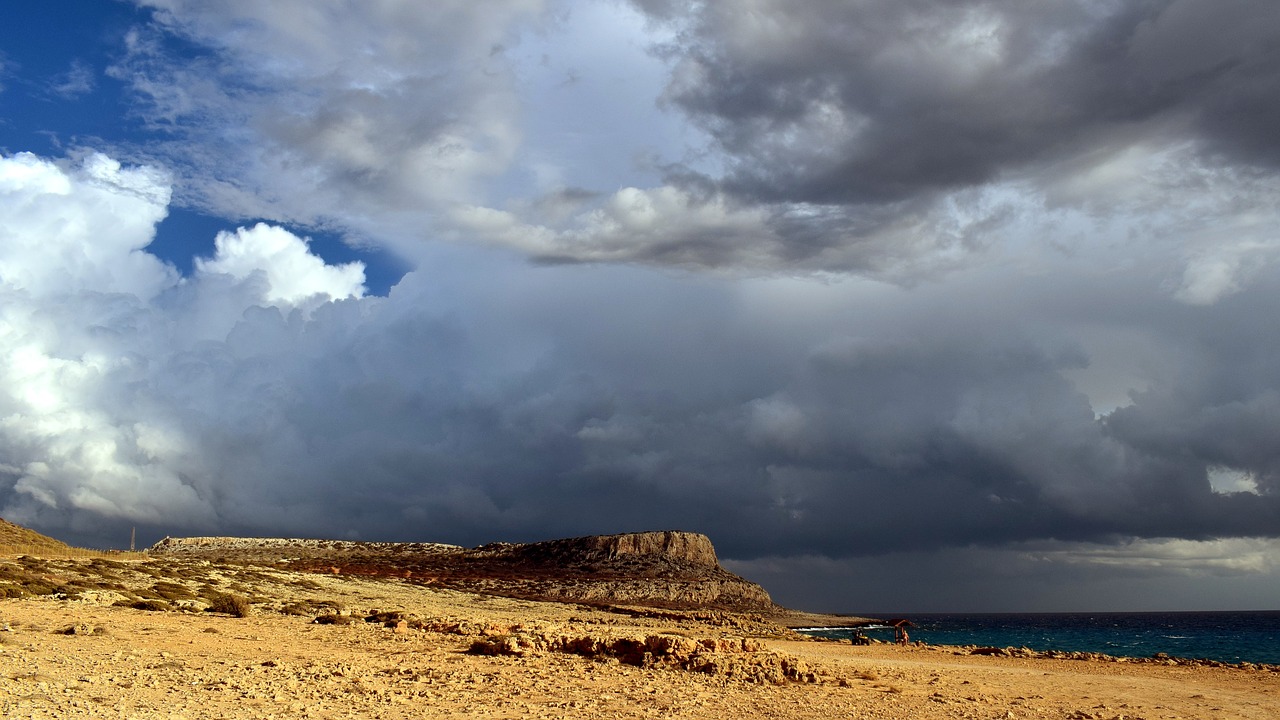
[[630, 553], [692, 548], [668, 569]]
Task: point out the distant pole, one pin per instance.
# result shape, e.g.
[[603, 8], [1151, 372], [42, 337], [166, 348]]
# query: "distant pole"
[[133, 535]]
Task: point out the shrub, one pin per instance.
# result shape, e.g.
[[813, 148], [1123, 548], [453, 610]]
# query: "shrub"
[[39, 588], [236, 605], [333, 620]]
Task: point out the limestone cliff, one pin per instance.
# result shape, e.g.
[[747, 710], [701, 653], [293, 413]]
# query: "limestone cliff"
[[668, 569]]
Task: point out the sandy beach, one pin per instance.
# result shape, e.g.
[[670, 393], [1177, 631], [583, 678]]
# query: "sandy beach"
[[86, 658]]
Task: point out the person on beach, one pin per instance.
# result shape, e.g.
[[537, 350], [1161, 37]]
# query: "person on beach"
[[900, 632]]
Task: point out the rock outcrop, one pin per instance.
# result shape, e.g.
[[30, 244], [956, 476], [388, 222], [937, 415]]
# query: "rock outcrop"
[[271, 549], [693, 549], [667, 569], [739, 658]]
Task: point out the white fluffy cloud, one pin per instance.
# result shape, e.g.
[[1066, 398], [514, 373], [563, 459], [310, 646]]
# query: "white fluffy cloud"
[[292, 274], [89, 318], [83, 231]]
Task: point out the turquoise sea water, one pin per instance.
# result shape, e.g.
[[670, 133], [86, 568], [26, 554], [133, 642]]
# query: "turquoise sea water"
[[1231, 637]]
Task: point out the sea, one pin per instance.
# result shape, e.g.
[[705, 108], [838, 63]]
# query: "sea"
[[1230, 637]]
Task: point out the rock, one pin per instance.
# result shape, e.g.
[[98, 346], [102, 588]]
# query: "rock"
[[736, 658], [668, 569]]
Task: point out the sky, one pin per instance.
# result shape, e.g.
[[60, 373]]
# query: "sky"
[[909, 305]]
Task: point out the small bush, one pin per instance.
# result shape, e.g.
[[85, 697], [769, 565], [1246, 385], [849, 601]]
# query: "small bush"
[[236, 605], [333, 620], [39, 588], [295, 609], [385, 617]]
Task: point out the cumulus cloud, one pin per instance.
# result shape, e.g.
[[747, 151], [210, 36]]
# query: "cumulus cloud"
[[86, 231], [292, 274], [89, 319]]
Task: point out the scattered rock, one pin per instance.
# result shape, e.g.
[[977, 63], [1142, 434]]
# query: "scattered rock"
[[741, 659]]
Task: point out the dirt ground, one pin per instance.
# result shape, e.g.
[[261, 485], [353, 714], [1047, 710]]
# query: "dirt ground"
[[86, 658]]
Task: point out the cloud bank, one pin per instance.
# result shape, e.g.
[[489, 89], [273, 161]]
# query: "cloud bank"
[[964, 285], [889, 139], [266, 394]]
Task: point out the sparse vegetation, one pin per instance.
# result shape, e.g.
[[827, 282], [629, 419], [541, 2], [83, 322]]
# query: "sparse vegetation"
[[235, 605], [312, 607], [333, 619], [173, 591], [151, 605]]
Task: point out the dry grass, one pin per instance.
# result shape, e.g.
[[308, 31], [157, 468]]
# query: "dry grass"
[[235, 605], [151, 605], [67, 552], [18, 540]]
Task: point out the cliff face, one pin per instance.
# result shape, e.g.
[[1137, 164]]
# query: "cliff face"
[[692, 548], [669, 569], [670, 550]]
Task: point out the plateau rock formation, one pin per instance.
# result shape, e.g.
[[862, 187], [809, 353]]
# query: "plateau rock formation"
[[669, 569]]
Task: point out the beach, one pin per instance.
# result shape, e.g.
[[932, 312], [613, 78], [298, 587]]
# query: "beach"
[[425, 657]]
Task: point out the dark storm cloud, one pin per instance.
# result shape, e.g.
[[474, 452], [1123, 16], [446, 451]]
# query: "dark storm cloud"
[[1071, 201], [584, 401], [873, 102], [780, 417]]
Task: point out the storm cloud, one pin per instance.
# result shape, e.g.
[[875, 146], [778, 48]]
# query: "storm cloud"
[[852, 103], [986, 289], [218, 400]]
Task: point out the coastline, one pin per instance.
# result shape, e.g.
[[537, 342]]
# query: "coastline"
[[1159, 658], [65, 658], [1228, 637], [798, 619]]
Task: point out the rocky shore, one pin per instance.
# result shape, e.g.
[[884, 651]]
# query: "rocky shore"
[[149, 639], [1157, 659], [231, 629], [451, 655]]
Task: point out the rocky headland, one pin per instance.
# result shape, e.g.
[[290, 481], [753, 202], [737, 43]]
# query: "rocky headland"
[[241, 629], [663, 570]]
